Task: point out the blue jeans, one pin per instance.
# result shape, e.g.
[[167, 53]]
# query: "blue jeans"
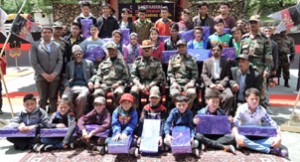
[[261, 145], [57, 142]]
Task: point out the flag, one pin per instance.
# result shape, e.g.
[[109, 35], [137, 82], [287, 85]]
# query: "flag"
[[3, 17], [21, 26]]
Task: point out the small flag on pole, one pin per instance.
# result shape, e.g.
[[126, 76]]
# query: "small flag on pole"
[[3, 17]]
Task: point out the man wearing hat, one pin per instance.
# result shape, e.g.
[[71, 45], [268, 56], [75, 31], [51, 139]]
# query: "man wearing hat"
[[78, 73], [106, 23], [146, 72], [286, 54], [243, 77], [183, 73], [112, 73], [57, 35], [258, 47], [46, 60]]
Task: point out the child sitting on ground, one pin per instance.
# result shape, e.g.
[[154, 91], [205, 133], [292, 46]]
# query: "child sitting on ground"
[[251, 113], [153, 110], [63, 118], [100, 116], [124, 121], [223, 142], [180, 116], [33, 117]]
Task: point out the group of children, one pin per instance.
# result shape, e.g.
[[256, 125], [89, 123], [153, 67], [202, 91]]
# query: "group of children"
[[125, 123]]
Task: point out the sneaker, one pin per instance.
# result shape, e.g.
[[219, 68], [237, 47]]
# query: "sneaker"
[[48, 147], [38, 147], [101, 150], [229, 148], [136, 153], [279, 152], [16, 147], [269, 111], [196, 152], [71, 146]]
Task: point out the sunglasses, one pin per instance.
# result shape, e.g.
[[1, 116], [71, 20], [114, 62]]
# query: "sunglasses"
[[98, 104], [147, 48]]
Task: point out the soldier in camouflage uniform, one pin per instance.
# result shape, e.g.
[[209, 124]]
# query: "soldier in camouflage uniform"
[[286, 56], [258, 46], [112, 74], [183, 73], [146, 72]]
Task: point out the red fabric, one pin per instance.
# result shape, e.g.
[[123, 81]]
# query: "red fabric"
[[163, 29], [158, 52], [127, 97], [160, 109], [3, 65]]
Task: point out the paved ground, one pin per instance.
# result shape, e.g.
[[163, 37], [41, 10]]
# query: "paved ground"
[[23, 82]]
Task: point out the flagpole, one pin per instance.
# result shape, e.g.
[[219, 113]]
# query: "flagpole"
[[1, 54]]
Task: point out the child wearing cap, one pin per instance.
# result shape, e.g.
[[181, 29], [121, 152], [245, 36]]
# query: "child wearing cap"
[[31, 118], [64, 117], [180, 116], [154, 110], [223, 142], [99, 116], [124, 121]]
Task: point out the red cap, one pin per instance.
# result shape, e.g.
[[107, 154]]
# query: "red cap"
[[127, 97]]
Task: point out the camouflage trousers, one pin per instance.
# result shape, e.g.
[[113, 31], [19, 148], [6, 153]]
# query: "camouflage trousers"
[[283, 66], [264, 93], [104, 89], [176, 90]]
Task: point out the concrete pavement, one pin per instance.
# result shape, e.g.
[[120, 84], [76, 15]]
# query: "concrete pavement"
[[25, 83]]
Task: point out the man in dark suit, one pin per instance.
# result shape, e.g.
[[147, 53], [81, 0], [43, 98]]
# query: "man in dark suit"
[[78, 73], [243, 77], [215, 75], [46, 60]]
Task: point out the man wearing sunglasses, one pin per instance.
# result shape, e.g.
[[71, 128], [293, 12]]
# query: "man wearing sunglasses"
[[146, 72]]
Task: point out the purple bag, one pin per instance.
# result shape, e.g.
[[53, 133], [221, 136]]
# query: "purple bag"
[[166, 55], [260, 131], [199, 54], [14, 132], [213, 124], [150, 135], [125, 36], [120, 146], [227, 30], [85, 27], [187, 35], [91, 127], [229, 53], [182, 140], [94, 53], [54, 132]]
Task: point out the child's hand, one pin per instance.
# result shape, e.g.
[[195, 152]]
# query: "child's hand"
[[160, 141], [124, 136], [60, 125], [230, 118], [116, 137], [169, 138], [84, 133], [196, 120], [90, 134], [138, 142], [22, 127]]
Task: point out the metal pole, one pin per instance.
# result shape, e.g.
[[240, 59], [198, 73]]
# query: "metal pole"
[[1, 54]]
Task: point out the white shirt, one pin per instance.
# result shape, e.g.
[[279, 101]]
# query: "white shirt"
[[216, 68]]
